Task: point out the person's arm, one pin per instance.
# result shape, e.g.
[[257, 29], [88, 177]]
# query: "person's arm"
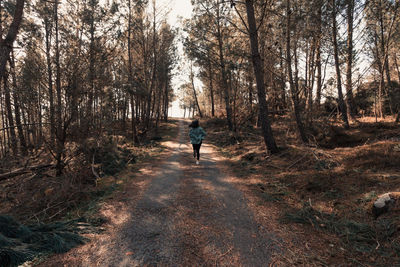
[[191, 135], [203, 133]]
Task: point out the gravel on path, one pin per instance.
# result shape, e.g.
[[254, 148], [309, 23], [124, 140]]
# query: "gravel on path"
[[188, 215]]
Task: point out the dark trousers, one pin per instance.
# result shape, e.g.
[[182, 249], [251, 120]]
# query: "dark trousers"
[[196, 150]]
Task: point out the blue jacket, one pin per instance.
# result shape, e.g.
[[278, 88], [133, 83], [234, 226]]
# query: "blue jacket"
[[196, 135]]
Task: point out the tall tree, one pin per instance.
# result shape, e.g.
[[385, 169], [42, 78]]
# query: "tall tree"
[[292, 83], [342, 104], [259, 74], [130, 75], [194, 90], [6, 43], [349, 59]]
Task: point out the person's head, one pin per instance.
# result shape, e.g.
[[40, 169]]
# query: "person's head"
[[194, 124]]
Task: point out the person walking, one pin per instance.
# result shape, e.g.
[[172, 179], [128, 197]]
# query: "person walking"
[[196, 135]]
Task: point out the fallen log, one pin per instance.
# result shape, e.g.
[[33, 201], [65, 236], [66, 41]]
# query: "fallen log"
[[20, 171]]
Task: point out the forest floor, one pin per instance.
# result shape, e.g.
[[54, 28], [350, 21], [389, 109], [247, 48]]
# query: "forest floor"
[[174, 212], [319, 197], [305, 206]]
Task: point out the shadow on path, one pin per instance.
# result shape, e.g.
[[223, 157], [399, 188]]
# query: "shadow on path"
[[192, 215], [186, 215]]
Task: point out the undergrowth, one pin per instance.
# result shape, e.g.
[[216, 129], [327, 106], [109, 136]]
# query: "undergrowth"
[[20, 243], [68, 206], [342, 172], [361, 237]]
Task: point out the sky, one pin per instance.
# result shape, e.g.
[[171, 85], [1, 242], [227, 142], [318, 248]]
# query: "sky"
[[177, 8]]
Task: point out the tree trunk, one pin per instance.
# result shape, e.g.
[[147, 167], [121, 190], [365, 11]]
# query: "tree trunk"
[[130, 78], [223, 71], [379, 106], [124, 112], [166, 98], [342, 104], [383, 64], [250, 91], [150, 106], [318, 56], [3, 124], [6, 44], [10, 118], [259, 74], [59, 133], [17, 109], [210, 77], [293, 89], [349, 60], [398, 75], [194, 91], [91, 93], [310, 78], [50, 81], [282, 80], [134, 131]]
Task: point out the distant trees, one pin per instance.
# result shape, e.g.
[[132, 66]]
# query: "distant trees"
[[78, 69], [208, 44], [300, 47], [81, 69]]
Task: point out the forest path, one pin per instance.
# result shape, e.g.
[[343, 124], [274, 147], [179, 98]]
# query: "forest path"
[[182, 215]]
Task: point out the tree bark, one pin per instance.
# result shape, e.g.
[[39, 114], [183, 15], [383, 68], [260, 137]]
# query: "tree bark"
[[223, 71], [7, 100], [318, 55], [150, 105], [50, 80], [342, 104], [259, 74], [293, 88], [379, 105], [59, 133], [282, 80], [194, 91], [130, 78], [134, 131], [349, 60], [20, 171], [17, 109], [7, 43], [210, 78], [166, 96], [90, 104], [398, 75], [311, 77]]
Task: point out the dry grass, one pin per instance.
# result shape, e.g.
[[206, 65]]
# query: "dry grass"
[[324, 191], [44, 197]]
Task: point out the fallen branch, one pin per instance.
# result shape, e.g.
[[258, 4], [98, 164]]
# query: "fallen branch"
[[297, 161], [94, 171], [20, 171]]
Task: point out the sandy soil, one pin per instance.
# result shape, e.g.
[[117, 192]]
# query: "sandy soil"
[[177, 213]]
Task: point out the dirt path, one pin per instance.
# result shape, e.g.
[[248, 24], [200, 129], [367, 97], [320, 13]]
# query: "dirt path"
[[183, 215]]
